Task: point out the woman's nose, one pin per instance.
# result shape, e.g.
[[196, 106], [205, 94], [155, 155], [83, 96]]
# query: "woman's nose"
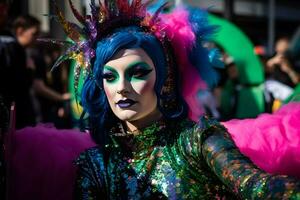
[[123, 86]]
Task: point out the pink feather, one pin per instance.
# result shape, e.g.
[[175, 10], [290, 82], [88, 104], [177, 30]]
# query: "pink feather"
[[179, 30], [271, 141]]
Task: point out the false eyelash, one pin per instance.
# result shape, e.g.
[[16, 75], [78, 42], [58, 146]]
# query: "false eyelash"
[[142, 72], [108, 75]]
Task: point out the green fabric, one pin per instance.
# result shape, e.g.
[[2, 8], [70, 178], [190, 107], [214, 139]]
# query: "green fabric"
[[250, 102], [237, 45], [295, 96]]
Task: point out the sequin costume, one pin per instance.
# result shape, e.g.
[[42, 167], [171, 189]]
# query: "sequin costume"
[[176, 160]]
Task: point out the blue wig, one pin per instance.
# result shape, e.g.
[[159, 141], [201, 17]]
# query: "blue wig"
[[94, 100]]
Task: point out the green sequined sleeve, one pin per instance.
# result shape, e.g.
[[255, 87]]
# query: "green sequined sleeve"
[[238, 172]]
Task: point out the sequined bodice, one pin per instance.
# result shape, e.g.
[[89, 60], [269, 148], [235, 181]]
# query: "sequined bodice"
[[157, 163], [175, 160]]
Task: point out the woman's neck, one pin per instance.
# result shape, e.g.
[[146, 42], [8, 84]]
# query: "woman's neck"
[[135, 126]]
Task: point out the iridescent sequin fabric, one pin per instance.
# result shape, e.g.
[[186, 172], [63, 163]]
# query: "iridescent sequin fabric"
[[176, 160]]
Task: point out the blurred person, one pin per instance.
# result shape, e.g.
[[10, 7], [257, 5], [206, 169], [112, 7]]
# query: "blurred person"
[[16, 79], [5, 37], [279, 67], [261, 52], [17, 76], [281, 77], [50, 109], [17, 68], [228, 89], [26, 29], [225, 92], [3, 15], [3, 127], [228, 86]]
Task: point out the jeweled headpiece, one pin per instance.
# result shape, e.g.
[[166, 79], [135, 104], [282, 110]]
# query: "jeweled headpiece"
[[110, 14]]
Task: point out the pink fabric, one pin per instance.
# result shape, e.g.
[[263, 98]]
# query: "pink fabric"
[[40, 164], [272, 142]]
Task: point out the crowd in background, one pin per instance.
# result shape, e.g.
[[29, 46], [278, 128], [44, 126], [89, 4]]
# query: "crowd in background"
[[26, 79], [281, 76]]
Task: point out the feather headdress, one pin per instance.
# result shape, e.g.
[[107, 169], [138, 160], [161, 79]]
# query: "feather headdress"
[[182, 30], [110, 14]]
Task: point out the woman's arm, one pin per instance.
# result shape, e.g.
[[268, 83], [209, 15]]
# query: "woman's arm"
[[42, 89], [239, 173]]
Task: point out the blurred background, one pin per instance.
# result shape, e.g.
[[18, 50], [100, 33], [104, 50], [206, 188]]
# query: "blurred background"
[[258, 40], [262, 20]]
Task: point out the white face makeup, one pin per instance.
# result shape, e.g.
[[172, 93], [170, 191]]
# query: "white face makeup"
[[128, 80]]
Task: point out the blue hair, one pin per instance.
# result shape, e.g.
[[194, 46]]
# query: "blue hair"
[[94, 100], [199, 56]]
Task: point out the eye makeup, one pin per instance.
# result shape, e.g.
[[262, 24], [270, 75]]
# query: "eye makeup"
[[110, 74], [138, 71], [135, 71]]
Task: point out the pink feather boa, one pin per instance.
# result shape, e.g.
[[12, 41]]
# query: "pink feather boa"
[[271, 141]]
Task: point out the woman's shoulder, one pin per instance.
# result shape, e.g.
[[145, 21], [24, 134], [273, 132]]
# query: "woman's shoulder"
[[205, 124], [90, 154], [198, 132], [91, 159], [91, 167]]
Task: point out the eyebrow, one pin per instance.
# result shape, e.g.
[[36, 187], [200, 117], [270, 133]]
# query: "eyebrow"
[[106, 67], [130, 66], [137, 63]]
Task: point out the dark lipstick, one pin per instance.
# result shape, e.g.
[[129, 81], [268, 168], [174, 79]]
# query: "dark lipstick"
[[126, 103]]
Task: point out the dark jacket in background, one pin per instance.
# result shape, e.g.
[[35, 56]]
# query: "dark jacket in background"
[[16, 79]]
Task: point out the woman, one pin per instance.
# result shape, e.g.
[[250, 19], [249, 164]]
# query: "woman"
[[142, 75], [138, 94]]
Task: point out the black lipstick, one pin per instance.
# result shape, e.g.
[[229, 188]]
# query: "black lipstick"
[[126, 103]]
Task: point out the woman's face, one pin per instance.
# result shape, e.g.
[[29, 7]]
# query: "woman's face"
[[128, 80]]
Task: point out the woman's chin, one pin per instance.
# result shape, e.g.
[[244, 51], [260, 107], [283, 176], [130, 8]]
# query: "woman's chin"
[[127, 115]]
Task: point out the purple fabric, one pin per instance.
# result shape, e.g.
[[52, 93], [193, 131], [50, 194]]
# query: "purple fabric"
[[271, 141], [41, 162]]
